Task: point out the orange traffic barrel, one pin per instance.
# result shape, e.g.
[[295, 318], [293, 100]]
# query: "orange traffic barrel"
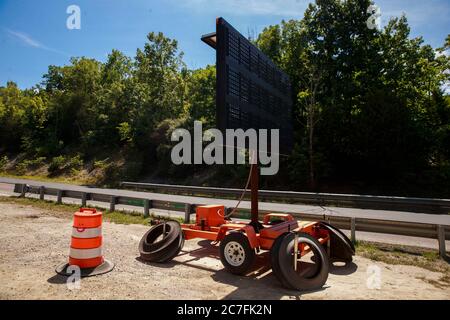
[[86, 244]]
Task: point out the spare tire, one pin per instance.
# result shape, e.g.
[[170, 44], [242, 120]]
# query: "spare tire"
[[174, 250], [151, 240], [341, 247], [154, 250], [308, 276], [275, 261]]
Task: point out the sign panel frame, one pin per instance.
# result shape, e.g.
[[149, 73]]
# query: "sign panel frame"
[[251, 91]]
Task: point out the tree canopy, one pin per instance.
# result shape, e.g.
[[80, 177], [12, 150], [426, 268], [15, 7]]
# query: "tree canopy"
[[370, 114], [372, 99]]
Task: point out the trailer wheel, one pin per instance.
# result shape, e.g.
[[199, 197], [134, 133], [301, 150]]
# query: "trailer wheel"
[[312, 270], [236, 254], [162, 242]]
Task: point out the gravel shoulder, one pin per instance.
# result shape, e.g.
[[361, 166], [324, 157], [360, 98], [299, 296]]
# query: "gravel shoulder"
[[34, 241]]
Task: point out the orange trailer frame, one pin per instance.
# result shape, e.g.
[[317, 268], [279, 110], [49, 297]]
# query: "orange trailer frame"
[[211, 225], [240, 241], [262, 240]]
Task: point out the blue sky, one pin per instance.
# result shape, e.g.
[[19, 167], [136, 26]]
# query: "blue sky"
[[33, 34]]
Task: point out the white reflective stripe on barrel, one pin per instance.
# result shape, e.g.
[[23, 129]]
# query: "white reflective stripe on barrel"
[[85, 253], [85, 233]]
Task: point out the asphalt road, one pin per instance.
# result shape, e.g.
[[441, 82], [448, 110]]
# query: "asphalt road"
[[264, 206], [7, 185]]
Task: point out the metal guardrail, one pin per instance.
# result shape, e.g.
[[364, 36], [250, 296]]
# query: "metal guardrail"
[[422, 205], [423, 230]]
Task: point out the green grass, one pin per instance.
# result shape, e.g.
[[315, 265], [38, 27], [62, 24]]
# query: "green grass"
[[61, 179], [406, 255], [66, 210], [397, 254]]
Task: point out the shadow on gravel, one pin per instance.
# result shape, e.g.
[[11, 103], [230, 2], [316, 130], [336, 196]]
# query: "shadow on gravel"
[[206, 250], [342, 268], [57, 279]]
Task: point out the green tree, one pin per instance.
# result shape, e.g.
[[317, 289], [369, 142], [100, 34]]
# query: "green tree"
[[11, 114], [72, 108], [110, 103], [366, 100], [157, 90], [201, 96]]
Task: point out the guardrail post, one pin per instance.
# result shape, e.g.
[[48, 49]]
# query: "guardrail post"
[[353, 229], [41, 192], [59, 196], [83, 199], [23, 190], [146, 208], [187, 212], [441, 239], [17, 187], [112, 203]]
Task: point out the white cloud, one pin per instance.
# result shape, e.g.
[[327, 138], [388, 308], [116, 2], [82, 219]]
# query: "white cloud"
[[250, 7], [29, 41], [26, 39]]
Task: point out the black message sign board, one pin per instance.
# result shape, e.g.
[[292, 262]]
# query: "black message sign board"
[[252, 92]]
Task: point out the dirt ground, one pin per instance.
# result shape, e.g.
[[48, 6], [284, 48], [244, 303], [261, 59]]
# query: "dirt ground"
[[34, 241]]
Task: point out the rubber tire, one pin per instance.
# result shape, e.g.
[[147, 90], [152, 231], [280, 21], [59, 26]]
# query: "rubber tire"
[[173, 229], [287, 270], [240, 238], [341, 247], [275, 261], [346, 239], [173, 251], [165, 249]]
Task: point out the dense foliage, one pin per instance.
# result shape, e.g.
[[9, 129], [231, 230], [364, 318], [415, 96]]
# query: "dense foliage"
[[370, 113], [370, 108]]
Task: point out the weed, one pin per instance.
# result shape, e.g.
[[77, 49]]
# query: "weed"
[[66, 210]]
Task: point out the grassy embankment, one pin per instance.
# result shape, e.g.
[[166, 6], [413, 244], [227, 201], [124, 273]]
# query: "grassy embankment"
[[66, 210], [406, 255]]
